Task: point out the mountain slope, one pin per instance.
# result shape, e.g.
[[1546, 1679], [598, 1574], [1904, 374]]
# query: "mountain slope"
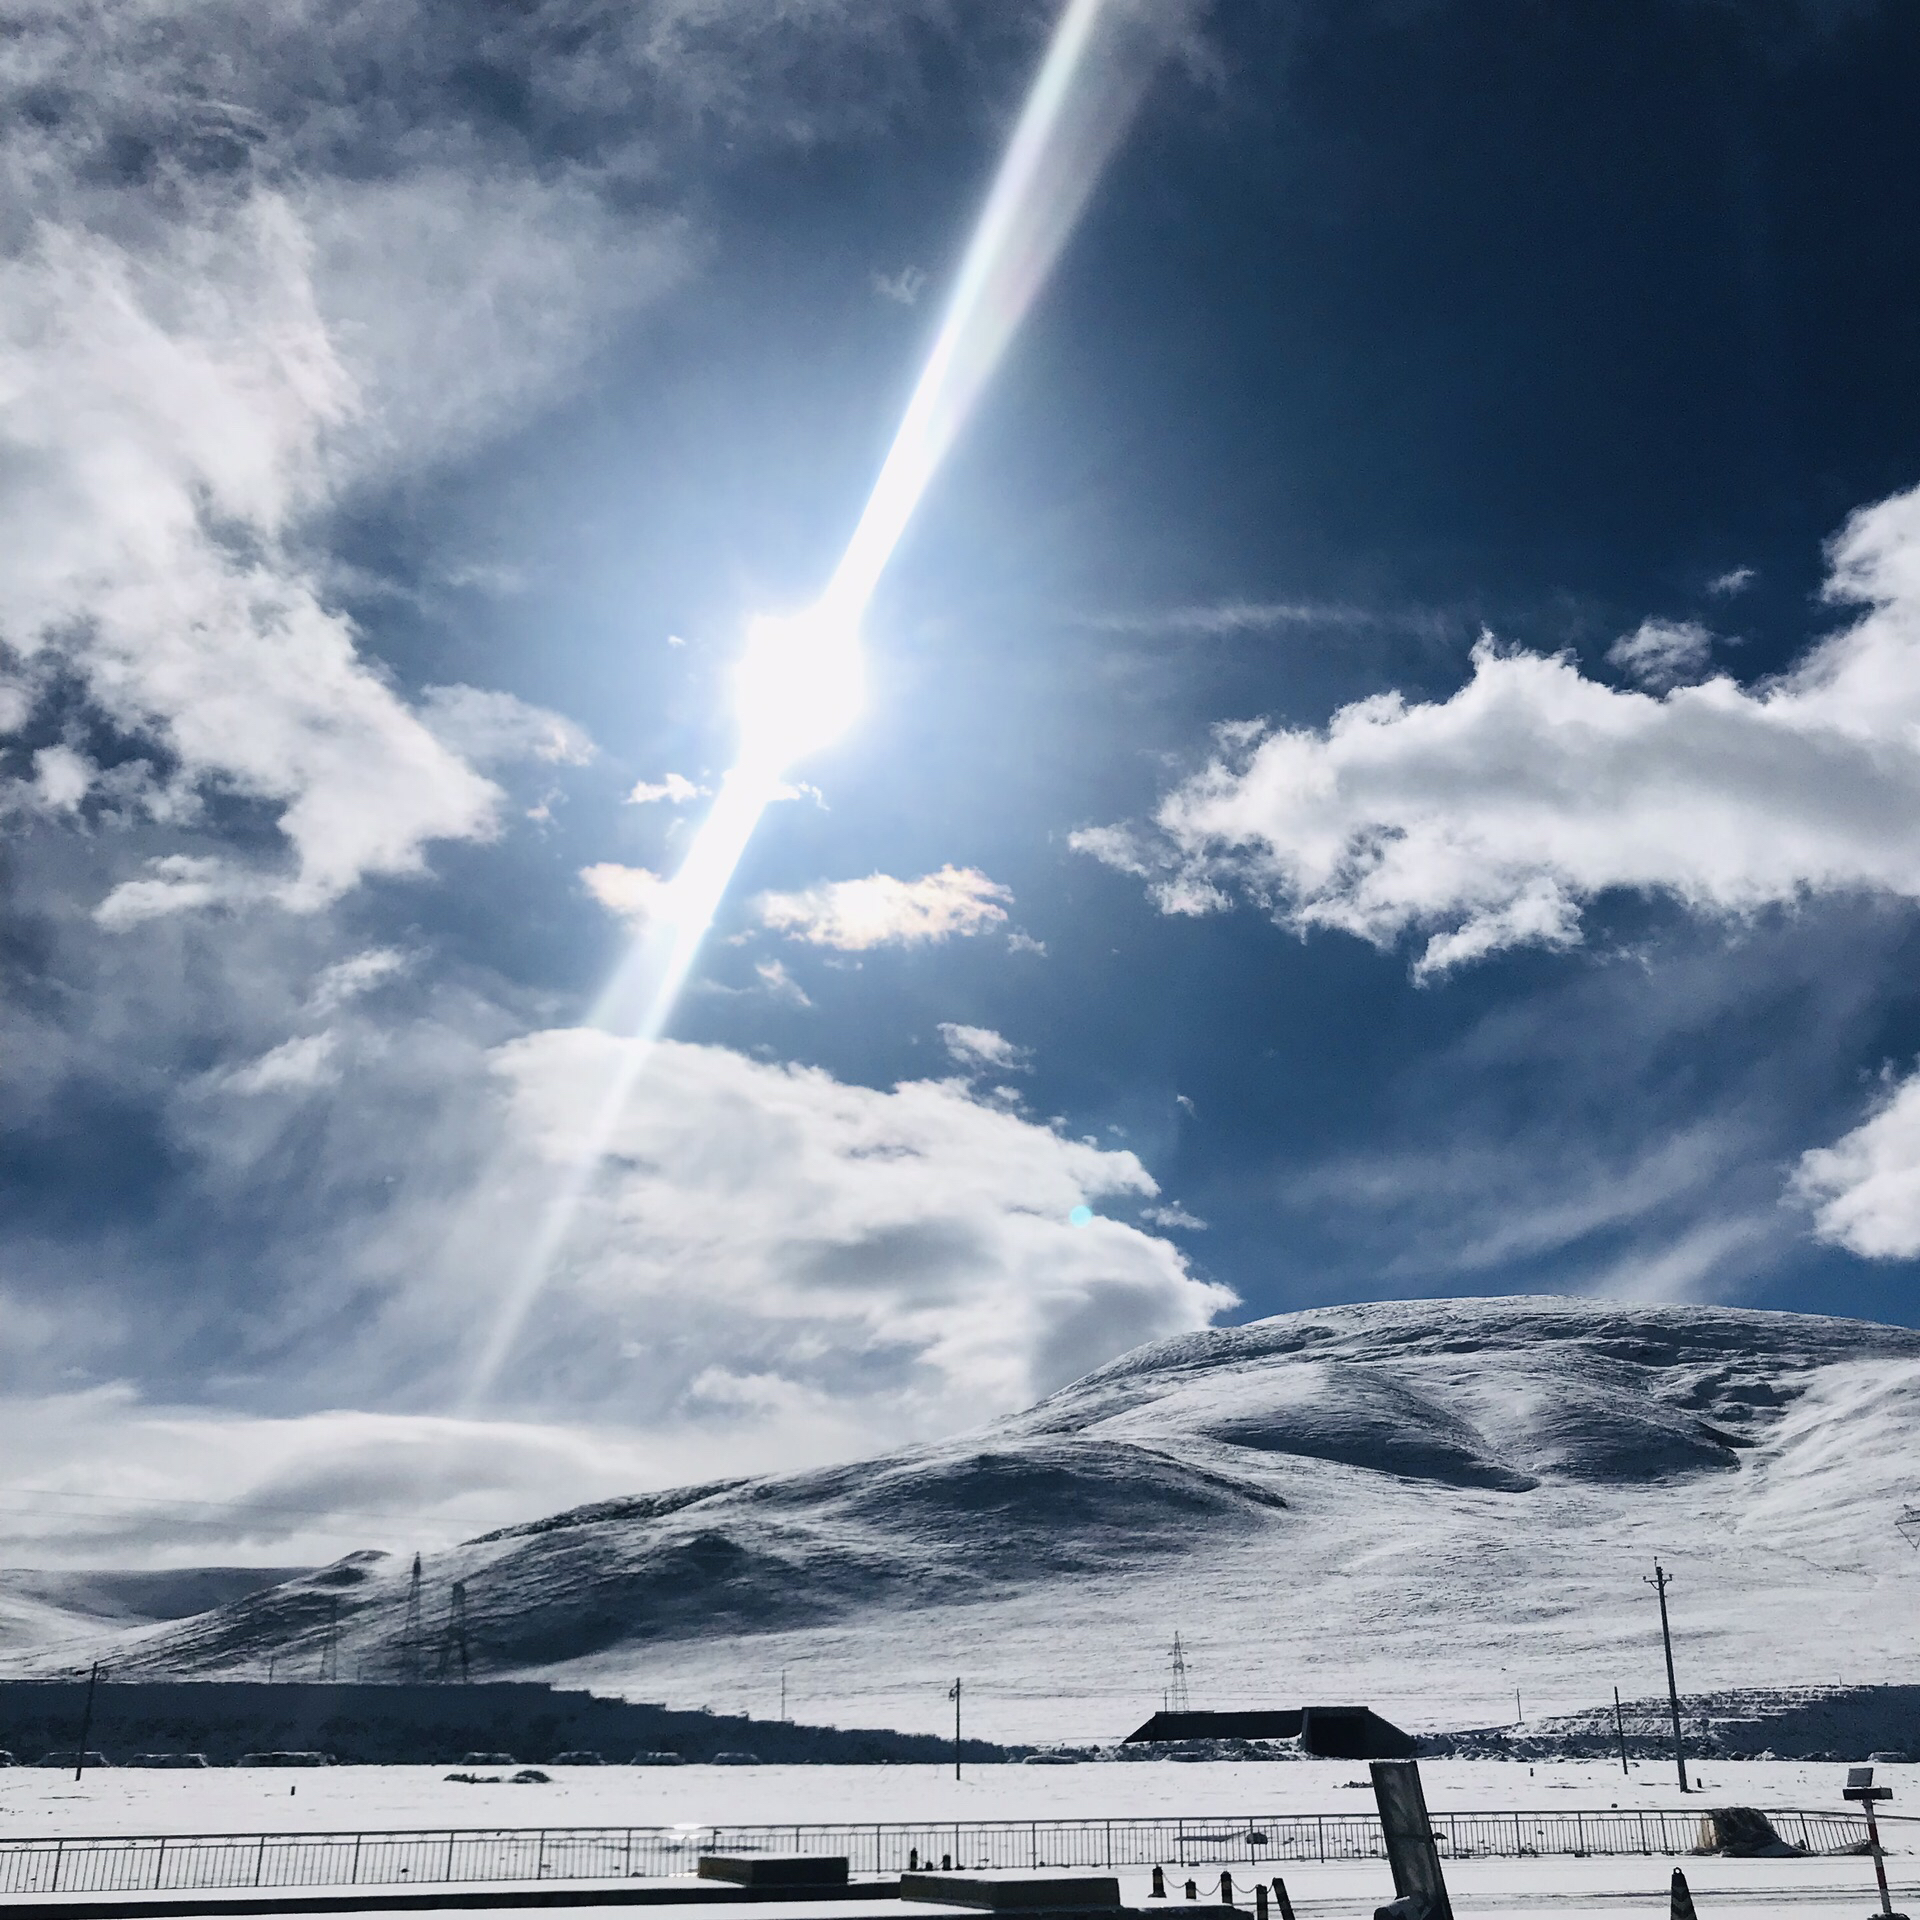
[[1423, 1505]]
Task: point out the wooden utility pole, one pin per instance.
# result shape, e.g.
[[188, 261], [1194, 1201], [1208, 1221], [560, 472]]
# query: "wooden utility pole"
[[953, 1694], [1660, 1581], [1620, 1730]]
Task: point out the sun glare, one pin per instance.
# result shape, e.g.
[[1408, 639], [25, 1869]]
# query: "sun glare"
[[800, 684]]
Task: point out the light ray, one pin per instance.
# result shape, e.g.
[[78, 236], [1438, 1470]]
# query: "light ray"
[[799, 683]]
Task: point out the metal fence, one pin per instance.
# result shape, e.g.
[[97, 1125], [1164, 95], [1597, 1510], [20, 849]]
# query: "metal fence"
[[477, 1855]]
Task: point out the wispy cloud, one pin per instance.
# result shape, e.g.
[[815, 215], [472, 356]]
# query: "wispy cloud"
[[1663, 653], [903, 288], [975, 1047]]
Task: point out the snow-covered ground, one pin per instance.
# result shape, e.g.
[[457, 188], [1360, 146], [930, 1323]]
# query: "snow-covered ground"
[[42, 1803], [37, 1801], [1423, 1506]]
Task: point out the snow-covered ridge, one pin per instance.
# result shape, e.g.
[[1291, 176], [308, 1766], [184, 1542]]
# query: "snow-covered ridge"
[[1418, 1504]]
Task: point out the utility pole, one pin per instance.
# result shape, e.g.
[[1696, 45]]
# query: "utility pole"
[[86, 1722], [1660, 1582], [783, 1693], [1620, 1730], [953, 1694]]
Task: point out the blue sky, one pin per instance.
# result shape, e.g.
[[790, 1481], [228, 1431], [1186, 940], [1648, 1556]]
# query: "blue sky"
[[1389, 767]]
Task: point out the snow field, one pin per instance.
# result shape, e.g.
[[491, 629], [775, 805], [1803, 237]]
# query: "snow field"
[[45, 1802]]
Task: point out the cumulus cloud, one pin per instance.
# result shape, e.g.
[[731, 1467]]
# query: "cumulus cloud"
[[880, 911], [633, 894], [974, 1047], [1865, 1188], [493, 728], [1491, 819], [1663, 653], [909, 1248], [676, 789], [1734, 580]]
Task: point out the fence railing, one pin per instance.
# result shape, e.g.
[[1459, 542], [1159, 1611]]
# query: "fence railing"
[[475, 1855]]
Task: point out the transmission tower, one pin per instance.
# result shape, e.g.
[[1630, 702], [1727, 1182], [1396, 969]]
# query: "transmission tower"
[[1908, 1526], [410, 1634], [453, 1637], [330, 1646], [1178, 1700]]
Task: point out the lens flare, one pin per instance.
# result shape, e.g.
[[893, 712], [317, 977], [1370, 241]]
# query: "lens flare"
[[800, 682]]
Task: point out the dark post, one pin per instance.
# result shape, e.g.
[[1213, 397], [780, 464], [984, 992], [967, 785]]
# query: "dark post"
[[1620, 1730], [1860, 1788], [86, 1722], [1420, 1890], [953, 1694], [1659, 1583], [1680, 1901], [1280, 1896]]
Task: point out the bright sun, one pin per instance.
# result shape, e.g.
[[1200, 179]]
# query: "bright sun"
[[799, 686]]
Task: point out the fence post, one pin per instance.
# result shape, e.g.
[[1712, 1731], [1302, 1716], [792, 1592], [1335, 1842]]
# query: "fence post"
[[1320, 1836], [259, 1859], [59, 1854], [1579, 1831], [160, 1864], [447, 1872], [353, 1869]]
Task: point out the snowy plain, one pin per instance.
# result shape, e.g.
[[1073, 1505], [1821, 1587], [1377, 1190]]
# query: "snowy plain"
[[38, 1803], [46, 1801]]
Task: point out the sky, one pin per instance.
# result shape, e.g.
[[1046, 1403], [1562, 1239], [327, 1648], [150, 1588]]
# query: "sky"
[[1391, 764]]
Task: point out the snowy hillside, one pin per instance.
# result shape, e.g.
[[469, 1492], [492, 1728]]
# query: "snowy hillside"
[[1422, 1506]]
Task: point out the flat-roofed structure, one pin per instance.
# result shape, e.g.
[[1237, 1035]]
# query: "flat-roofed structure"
[[1329, 1733]]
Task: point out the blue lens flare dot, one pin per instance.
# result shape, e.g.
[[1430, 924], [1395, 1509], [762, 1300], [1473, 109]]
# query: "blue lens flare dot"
[[1080, 1217]]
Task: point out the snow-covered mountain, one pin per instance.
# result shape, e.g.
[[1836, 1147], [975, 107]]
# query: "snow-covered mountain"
[[1423, 1506]]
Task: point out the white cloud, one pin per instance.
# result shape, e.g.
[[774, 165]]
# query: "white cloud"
[[358, 974], [632, 893], [774, 976], [908, 1250], [176, 883], [973, 1047], [99, 1477], [1492, 819], [904, 288], [1734, 580], [1174, 1215], [492, 728], [880, 911], [295, 1065], [676, 788], [1663, 653], [155, 406], [1865, 1188]]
